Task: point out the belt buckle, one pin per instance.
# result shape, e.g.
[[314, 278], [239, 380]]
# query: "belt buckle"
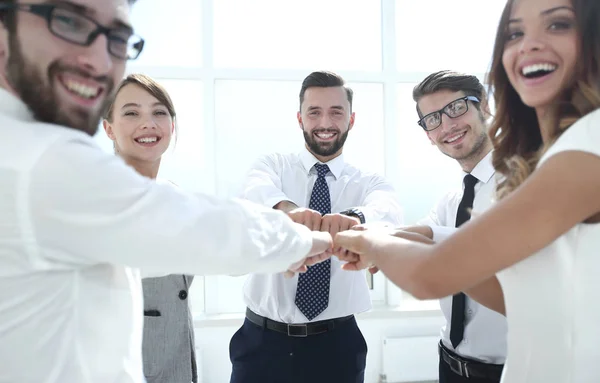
[[461, 367], [300, 334]]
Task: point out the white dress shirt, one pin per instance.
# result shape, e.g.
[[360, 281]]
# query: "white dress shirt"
[[485, 330], [76, 226], [290, 177]]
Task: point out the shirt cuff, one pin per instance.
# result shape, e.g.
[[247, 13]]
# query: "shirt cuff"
[[272, 201]]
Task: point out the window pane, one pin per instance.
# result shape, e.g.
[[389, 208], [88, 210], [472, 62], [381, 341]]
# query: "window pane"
[[341, 34], [185, 163], [430, 173], [172, 32], [451, 35]]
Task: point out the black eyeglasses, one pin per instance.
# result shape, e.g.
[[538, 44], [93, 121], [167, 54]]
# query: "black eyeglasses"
[[82, 30], [454, 109]]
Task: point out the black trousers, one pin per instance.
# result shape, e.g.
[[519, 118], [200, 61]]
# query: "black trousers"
[[448, 376], [261, 355]]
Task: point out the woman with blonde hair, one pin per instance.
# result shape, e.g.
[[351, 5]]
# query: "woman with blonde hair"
[[542, 238]]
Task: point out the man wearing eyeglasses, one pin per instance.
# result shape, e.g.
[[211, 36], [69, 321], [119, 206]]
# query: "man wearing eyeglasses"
[[453, 110], [77, 224]]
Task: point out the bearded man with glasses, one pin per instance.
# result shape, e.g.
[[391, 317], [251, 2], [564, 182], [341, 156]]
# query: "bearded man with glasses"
[[77, 224]]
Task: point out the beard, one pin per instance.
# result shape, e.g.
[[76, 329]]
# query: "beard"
[[476, 149], [324, 149], [39, 95]]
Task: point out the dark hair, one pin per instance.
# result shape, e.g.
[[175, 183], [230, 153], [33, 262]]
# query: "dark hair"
[[324, 79], [515, 130], [452, 81], [149, 85], [8, 17]]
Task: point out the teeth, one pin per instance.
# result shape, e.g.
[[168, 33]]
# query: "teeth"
[[325, 135], [454, 138], [146, 140], [81, 89], [537, 68]]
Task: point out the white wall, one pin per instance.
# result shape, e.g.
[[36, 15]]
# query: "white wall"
[[213, 336]]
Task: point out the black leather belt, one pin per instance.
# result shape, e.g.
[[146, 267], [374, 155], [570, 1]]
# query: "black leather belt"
[[470, 368], [296, 330]]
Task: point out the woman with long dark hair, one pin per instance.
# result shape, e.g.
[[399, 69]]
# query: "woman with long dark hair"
[[542, 237]]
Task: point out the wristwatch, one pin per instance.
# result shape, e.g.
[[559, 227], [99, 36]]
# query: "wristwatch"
[[353, 212]]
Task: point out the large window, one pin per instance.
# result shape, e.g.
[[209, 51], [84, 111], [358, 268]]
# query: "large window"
[[441, 34], [234, 69], [267, 34]]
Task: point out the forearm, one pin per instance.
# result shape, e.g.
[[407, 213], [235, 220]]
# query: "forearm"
[[424, 230], [489, 294], [402, 262]]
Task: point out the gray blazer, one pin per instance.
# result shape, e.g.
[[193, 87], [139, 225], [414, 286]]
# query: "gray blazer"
[[168, 345]]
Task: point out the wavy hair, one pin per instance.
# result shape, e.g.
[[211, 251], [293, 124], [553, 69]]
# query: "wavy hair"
[[515, 130]]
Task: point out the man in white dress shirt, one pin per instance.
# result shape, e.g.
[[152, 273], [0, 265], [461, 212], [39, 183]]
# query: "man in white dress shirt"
[[77, 224], [303, 329], [453, 109]]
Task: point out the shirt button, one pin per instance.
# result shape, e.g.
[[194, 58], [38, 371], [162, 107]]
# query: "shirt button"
[[183, 294]]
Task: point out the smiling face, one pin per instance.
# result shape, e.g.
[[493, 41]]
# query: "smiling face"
[[540, 51], [141, 126], [463, 138], [62, 82], [325, 119]]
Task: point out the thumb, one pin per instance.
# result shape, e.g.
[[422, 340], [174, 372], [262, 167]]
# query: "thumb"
[[350, 240]]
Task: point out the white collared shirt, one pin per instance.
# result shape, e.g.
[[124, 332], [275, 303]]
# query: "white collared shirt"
[[76, 226], [290, 177], [485, 330]]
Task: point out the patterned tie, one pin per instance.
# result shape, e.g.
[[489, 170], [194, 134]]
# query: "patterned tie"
[[312, 294], [463, 214]]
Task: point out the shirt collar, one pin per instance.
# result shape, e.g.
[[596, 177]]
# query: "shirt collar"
[[484, 170], [14, 107], [309, 160]]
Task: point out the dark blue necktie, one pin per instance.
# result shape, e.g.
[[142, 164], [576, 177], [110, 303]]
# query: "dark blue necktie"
[[312, 294], [459, 301]]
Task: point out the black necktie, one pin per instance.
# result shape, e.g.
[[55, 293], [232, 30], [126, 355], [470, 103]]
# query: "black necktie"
[[463, 214]]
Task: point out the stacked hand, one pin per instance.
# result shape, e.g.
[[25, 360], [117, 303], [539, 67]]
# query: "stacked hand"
[[362, 246], [320, 251], [331, 223], [324, 229]]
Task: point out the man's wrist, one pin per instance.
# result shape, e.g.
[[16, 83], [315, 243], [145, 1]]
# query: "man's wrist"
[[285, 206], [424, 230], [356, 213]]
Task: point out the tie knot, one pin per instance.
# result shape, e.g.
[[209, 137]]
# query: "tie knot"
[[470, 181], [322, 169]]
